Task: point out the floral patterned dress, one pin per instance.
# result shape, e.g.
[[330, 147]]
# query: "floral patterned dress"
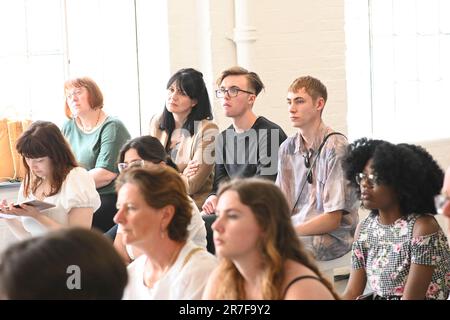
[[387, 251]]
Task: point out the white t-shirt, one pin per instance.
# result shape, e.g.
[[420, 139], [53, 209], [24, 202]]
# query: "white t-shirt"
[[196, 230], [185, 280], [77, 191]]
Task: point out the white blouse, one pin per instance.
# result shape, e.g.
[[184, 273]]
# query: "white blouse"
[[77, 191], [185, 280]]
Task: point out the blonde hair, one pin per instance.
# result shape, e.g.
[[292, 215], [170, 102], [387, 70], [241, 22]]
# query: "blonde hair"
[[313, 87]]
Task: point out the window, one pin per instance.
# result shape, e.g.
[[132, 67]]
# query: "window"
[[48, 41], [398, 68]]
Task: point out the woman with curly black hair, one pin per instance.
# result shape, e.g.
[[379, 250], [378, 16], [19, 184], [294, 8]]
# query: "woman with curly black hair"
[[399, 248]]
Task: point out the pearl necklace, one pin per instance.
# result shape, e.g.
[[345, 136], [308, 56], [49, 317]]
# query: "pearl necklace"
[[92, 128]]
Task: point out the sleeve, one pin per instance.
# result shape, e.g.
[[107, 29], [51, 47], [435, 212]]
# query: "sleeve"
[[220, 172], [360, 248], [429, 250], [20, 197], [269, 142], [154, 124], [79, 191], [337, 192], [204, 154], [66, 128], [285, 176], [112, 138]]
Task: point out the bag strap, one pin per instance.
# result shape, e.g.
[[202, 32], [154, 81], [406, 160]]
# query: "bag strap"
[[190, 254], [314, 162]]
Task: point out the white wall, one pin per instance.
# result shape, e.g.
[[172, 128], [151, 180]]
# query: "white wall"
[[293, 38]]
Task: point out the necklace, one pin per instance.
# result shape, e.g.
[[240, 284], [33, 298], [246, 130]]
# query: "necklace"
[[94, 126], [149, 281]]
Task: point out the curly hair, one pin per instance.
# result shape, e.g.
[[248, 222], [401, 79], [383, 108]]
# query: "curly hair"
[[408, 169], [279, 243]]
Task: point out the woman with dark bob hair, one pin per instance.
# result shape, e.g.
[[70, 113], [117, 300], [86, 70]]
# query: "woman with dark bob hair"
[[67, 264], [154, 213], [399, 248], [52, 175], [148, 151], [261, 255], [187, 132]]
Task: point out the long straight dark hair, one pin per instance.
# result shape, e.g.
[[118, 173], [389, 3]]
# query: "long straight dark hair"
[[44, 139], [190, 82]]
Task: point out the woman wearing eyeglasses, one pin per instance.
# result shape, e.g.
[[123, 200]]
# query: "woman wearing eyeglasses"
[[95, 139], [399, 249], [187, 132], [148, 151]]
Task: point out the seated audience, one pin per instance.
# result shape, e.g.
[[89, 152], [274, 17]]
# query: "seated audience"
[[51, 175], [95, 139], [154, 212], [68, 264], [399, 249], [187, 132], [260, 254], [147, 151]]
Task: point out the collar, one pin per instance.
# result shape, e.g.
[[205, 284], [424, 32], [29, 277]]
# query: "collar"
[[300, 147]]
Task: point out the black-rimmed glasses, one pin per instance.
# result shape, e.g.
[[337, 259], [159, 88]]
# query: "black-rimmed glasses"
[[232, 92], [370, 179]]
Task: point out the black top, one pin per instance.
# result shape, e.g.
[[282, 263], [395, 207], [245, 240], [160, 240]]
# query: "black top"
[[247, 154], [298, 279]]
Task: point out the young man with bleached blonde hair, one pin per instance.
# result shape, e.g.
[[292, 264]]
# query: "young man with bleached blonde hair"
[[324, 207]]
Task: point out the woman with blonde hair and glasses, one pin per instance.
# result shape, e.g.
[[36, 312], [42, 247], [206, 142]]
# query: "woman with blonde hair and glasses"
[[260, 254], [51, 175], [95, 139], [154, 212]]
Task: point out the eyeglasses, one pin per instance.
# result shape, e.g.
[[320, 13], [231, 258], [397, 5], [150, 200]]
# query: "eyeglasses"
[[370, 179], [232, 92], [76, 92], [307, 159], [137, 163], [439, 201]]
